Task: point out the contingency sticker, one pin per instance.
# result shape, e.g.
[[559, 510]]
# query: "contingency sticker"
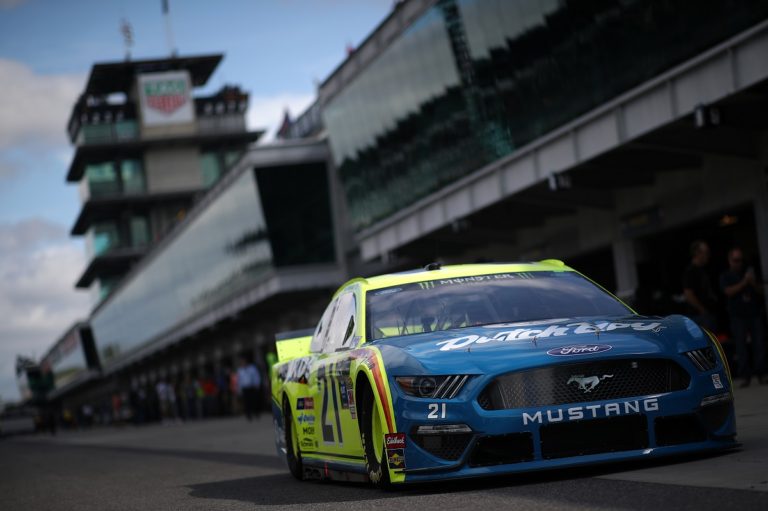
[[351, 401], [395, 443], [343, 393], [716, 381], [305, 403]]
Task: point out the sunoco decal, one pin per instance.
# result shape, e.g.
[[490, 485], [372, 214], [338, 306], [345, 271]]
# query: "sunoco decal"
[[578, 349], [395, 444], [550, 331]]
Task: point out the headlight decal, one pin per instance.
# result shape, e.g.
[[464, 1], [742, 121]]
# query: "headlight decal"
[[432, 387]]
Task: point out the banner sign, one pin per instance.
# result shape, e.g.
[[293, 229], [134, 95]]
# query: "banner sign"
[[166, 98]]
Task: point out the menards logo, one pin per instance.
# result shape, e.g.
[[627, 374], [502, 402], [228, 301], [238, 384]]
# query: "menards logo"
[[167, 96]]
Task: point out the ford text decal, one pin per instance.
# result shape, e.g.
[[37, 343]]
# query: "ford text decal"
[[578, 349]]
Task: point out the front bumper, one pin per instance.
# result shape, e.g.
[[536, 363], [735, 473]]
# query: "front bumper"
[[520, 440]]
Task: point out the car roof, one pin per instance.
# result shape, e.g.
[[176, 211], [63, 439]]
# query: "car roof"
[[454, 271]]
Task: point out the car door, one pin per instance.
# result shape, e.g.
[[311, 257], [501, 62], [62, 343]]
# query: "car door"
[[334, 398], [307, 407]]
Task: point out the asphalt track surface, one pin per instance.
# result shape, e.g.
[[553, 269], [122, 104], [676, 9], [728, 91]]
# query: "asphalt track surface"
[[230, 464]]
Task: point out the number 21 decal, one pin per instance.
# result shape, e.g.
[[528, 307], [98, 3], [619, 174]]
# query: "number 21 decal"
[[436, 411]]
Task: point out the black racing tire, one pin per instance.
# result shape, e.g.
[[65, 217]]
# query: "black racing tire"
[[292, 454], [375, 466]]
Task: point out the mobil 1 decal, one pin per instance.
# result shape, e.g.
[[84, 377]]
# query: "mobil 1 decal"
[[395, 444]]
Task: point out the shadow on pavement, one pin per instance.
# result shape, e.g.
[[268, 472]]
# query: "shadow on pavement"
[[574, 486], [283, 490], [234, 458]]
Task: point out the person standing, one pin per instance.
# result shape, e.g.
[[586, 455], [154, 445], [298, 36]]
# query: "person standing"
[[249, 387], [167, 398], [742, 290], [697, 287]]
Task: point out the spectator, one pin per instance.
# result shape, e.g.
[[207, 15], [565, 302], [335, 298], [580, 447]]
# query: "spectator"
[[742, 290], [224, 396], [167, 398], [210, 396], [233, 389], [249, 387], [190, 388], [87, 413], [697, 287], [117, 404]]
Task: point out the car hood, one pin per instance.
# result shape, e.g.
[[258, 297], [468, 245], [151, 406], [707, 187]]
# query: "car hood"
[[511, 346]]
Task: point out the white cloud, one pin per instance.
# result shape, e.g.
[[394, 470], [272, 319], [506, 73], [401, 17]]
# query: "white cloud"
[[267, 112], [34, 108], [38, 267]]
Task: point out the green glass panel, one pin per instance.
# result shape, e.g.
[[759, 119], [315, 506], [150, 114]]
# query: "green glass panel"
[[105, 237], [230, 157], [139, 231], [211, 168], [102, 179], [126, 130], [97, 133], [132, 175], [470, 81]]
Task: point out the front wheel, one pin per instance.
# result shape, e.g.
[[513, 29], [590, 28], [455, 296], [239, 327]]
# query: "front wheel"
[[292, 449], [372, 440]]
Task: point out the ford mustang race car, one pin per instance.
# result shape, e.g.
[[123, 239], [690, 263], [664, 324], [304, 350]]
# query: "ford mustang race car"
[[473, 370]]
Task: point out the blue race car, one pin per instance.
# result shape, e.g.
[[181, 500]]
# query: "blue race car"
[[474, 370]]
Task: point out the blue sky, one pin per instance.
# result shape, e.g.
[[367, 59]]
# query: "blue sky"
[[277, 50]]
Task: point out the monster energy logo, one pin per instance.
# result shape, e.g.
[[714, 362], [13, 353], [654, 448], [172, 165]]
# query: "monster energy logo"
[[426, 285]]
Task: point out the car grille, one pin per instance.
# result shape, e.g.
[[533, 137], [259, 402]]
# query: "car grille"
[[679, 429], [502, 450], [583, 382], [448, 446], [578, 438]]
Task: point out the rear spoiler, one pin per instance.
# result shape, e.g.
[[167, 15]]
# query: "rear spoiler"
[[293, 344]]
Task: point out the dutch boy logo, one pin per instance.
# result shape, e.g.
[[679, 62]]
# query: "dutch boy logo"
[[557, 330], [579, 349]]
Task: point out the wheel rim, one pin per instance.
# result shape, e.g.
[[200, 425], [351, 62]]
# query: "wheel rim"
[[376, 433]]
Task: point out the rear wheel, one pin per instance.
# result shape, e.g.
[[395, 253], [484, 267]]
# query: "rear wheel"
[[292, 449], [372, 440]]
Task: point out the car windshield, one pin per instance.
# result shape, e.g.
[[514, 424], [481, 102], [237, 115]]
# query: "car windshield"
[[445, 304]]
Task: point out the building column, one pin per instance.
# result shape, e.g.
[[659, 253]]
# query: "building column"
[[339, 219], [625, 268], [760, 204]]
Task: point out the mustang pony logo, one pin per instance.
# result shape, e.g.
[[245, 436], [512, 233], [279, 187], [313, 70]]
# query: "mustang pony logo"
[[587, 383]]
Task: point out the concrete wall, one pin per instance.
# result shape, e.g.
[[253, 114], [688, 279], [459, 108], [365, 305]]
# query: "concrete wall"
[[171, 130], [173, 169]]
